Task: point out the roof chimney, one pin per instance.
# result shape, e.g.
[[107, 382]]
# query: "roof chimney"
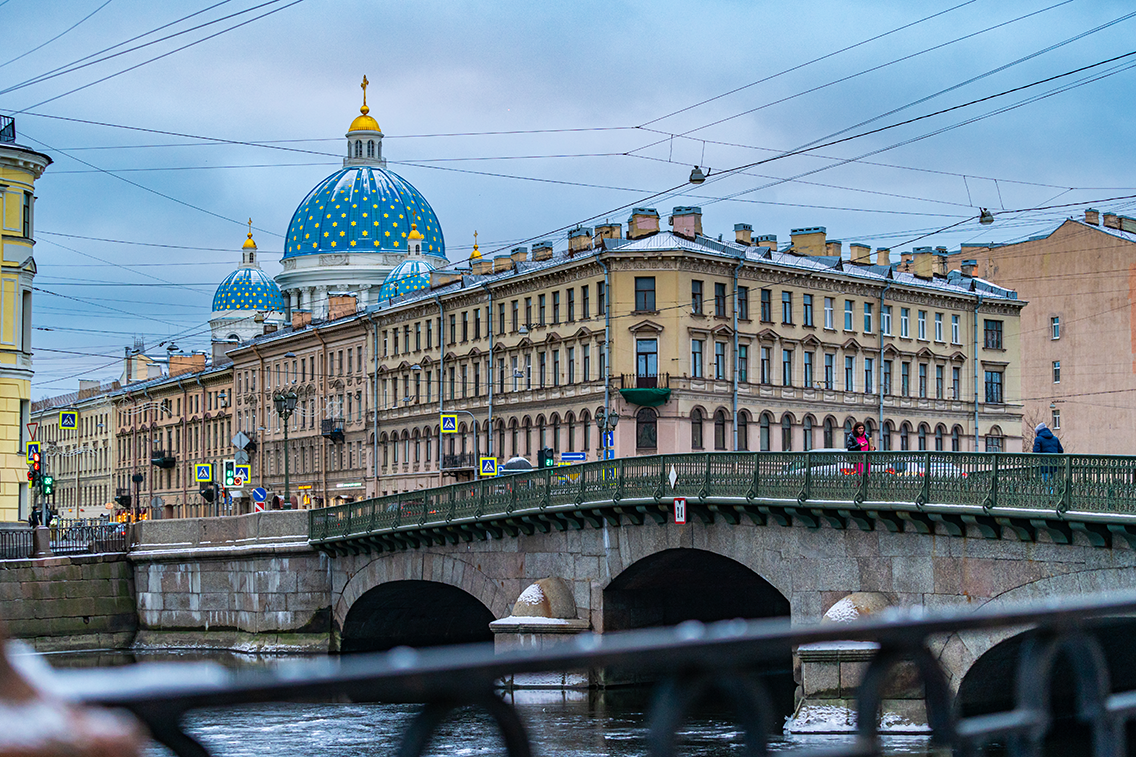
[[481, 266], [608, 231], [519, 254], [861, 254], [339, 305], [833, 247], [767, 240], [883, 256], [579, 240], [743, 234], [941, 256], [542, 251], [968, 267], [808, 241], [643, 223], [1111, 221], [502, 263], [1092, 217], [924, 266], [301, 319], [686, 221]]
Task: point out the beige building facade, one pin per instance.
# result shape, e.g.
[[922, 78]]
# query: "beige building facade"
[[1078, 333], [82, 459]]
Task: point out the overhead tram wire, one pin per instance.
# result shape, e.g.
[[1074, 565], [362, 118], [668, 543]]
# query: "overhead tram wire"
[[110, 263], [57, 36]]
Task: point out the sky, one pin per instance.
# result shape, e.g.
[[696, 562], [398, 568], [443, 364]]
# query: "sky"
[[521, 120]]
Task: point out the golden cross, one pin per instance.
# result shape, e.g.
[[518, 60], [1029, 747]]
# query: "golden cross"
[[475, 239], [364, 86]]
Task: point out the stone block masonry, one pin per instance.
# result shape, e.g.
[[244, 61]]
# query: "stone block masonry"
[[69, 603]]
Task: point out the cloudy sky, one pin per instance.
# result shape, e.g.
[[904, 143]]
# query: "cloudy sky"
[[519, 120]]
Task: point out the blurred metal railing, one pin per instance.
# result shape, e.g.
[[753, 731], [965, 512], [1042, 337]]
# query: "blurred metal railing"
[[922, 491], [688, 662], [16, 544]]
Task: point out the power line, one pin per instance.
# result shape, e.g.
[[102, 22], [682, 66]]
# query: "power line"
[[57, 36]]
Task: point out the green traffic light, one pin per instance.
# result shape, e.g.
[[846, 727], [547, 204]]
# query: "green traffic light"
[[48, 485]]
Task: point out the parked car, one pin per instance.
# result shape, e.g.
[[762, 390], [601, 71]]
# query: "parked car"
[[836, 461]]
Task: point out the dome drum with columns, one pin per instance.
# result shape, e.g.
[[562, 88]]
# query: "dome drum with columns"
[[353, 230], [246, 299]]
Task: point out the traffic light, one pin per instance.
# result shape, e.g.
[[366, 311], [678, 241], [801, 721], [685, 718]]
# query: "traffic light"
[[230, 467], [48, 486], [36, 472], [207, 492], [123, 500], [546, 458]]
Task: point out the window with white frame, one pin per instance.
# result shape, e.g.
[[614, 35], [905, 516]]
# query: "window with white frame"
[[1055, 327]]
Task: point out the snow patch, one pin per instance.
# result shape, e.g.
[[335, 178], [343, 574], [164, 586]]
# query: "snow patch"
[[828, 718], [844, 611], [534, 595], [525, 620]]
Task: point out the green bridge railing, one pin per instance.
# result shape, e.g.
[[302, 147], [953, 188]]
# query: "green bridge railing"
[[1095, 494]]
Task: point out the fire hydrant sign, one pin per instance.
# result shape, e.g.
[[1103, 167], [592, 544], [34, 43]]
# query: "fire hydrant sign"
[[680, 510]]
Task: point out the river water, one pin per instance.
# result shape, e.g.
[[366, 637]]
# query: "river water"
[[608, 723]]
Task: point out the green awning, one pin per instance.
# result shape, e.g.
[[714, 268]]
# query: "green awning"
[[646, 397]]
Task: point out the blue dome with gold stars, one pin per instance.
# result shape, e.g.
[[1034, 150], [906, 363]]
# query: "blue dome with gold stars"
[[408, 276], [248, 289], [362, 208]]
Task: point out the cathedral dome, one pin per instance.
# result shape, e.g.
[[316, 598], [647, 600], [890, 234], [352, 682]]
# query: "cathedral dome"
[[248, 289], [408, 276], [362, 208]]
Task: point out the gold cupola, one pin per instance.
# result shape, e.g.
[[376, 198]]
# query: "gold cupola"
[[364, 137]]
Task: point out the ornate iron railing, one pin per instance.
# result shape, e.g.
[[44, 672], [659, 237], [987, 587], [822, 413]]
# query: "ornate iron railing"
[[687, 661], [953, 492], [16, 544]]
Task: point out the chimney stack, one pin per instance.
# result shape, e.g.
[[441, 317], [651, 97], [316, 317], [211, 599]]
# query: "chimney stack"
[[542, 251], [768, 241], [968, 267], [924, 267], [579, 240], [301, 319], [808, 241], [519, 254], [643, 223], [502, 263], [743, 234], [1111, 221], [833, 248], [861, 253], [883, 256], [686, 221], [339, 305], [608, 231], [1092, 217], [941, 256]]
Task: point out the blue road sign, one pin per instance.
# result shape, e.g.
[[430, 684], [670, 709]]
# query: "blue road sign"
[[489, 466], [609, 439], [609, 454], [204, 472], [68, 419], [449, 424], [259, 494], [32, 448], [573, 457]]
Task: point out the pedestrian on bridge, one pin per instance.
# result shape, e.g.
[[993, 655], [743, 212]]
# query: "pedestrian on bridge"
[[858, 441], [1045, 442]]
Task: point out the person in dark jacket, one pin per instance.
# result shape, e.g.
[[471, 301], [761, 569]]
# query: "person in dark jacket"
[[1045, 442], [858, 441]]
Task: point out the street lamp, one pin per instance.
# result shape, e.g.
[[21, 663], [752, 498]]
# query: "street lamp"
[[285, 405], [605, 421]]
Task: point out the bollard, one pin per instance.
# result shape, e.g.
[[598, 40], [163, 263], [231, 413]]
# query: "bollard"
[[41, 542]]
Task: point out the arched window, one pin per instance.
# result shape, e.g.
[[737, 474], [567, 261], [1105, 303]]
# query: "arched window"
[[940, 432], [370, 148], [570, 420], [358, 148], [527, 425], [540, 435], [807, 428], [923, 436], [993, 440], [513, 437], [829, 432], [720, 430], [885, 439], [786, 433], [870, 428], [904, 437], [585, 431], [556, 433], [956, 439], [646, 429], [696, 429], [500, 451], [764, 425], [743, 430], [848, 422]]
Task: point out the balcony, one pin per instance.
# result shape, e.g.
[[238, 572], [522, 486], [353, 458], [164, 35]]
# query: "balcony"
[[163, 459], [332, 428], [459, 461], [657, 381], [7, 129]]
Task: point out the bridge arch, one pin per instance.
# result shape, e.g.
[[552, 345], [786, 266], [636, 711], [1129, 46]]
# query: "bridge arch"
[[414, 613]]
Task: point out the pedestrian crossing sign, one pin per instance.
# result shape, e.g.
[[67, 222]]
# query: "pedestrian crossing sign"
[[204, 472], [449, 423], [69, 420], [489, 466], [32, 449], [243, 474]]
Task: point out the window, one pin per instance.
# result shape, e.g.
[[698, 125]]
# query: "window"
[[787, 308], [992, 334], [766, 306], [848, 315], [763, 427], [720, 430], [905, 322], [585, 302], [829, 374], [720, 361], [696, 358], [809, 377], [743, 363], [905, 379], [528, 313], [465, 326], [571, 305], [646, 429], [1056, 371], [869, 375], [922, 324], [828, 305], [939, 382], [696, 297], [887, 377], [743, 303], [27, 216], [1055, 327], [993, 442], [956, 440], [501, 318], [849, 373], [922, 436], [923, 380], [994, 387], [867, 318], [394, 333], [540, 309], [807, 428], [719, 300], [807, 310], [601, 297], [956, 383], [516, 313], [696, 429], [556, 307], [938, 327], [571, 365], [586, 372], [647, 357], [764, 365], [1055, 423], [645, 293], [786, 367], [955, 330], [786, 434], [829, 432], [556, 367], [743, 431], [885, 320], [542, 364]]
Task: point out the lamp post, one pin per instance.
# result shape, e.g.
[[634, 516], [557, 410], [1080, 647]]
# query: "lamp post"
[[606, 421], [285, 405]]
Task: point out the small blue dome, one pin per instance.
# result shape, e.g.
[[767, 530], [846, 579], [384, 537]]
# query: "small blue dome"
[[362, 209], [408, 276], [248, 289]]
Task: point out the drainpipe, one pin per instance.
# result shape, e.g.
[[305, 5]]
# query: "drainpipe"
[[737, 268], [441, 380], [607, 344], [977, 305], [880, 367], [375, 405], [489, 435], [262, 450], [326, 374]]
